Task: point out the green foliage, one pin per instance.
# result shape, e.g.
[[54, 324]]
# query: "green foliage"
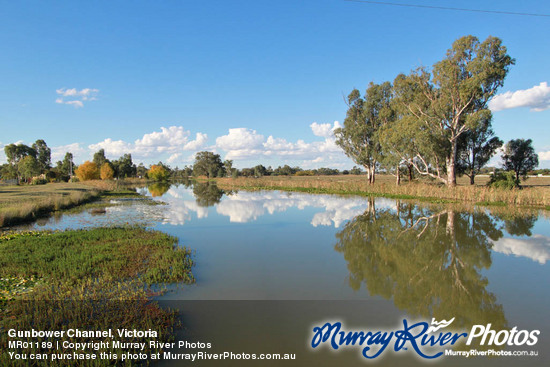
[[208, 164], [158, 173], [14, 153], [43, 154], [28, 167], [422, 120], [124, 167], [286, 170], [504, 180], [38, 181], [365, 116], [519, 156], [89, 280], [118, 253], [475, 149], [99, 158]]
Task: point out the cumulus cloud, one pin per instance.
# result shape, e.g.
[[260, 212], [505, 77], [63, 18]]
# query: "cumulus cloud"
[[172, 140], [240, 138], [243, 143], [58, 152], [544, 156], [200, 140], [113, 148], [324, 130], [74, 97], [536, 98]]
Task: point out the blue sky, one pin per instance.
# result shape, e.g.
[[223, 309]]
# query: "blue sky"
[[256, 81]]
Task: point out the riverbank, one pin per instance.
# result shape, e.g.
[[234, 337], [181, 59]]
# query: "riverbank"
[[536, 195], [96, 279], [25, 203]]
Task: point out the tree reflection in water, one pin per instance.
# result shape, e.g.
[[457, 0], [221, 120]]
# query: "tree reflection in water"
[[158, 188], [207, 193], [429, 262]]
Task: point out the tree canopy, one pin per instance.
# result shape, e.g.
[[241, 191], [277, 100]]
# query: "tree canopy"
[[208, 164], [421, 119], [519, 156]]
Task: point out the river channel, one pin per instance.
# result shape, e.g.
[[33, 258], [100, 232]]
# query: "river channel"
[[270, 266]]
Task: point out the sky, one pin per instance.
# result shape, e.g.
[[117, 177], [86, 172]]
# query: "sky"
[[255, 81]]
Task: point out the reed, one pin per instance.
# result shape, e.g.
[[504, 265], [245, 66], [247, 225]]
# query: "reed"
[[538, 196]]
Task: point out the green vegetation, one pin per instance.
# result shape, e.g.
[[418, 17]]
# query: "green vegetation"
[[208, 164], [429, 120], [158, 172], [520, 157], [95, 279], [72, 256]]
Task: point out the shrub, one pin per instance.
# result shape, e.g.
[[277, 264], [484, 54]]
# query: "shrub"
[[87, 171], [106, 172], [158, 173], [38, 181], [504, 180]]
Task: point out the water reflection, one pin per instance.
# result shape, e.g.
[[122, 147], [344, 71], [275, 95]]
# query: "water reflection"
[[536, 248], [207, 193], [158, 188], [429, 262]]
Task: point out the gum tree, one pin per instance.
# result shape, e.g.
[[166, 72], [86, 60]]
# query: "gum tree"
[[453, 99]]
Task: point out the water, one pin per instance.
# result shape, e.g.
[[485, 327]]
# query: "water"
[[271, 265]]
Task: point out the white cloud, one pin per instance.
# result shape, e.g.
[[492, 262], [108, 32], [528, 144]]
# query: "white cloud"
[[58, 152], [196, 144], [113, 148], [536, 98], [544, 156], [243, 144], [172, 140], [165, 139], [240, 139], [324, 130], [169, 144], [536, 248], [76, 98], [173, 158]]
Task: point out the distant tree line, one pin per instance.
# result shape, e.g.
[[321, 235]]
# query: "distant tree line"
[[32, 164]]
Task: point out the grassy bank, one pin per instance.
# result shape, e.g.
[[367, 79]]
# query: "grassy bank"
[[538, 194], [20, 204], [93, 279]]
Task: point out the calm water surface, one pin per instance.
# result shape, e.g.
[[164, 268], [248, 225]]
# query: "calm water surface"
[[271, 265]]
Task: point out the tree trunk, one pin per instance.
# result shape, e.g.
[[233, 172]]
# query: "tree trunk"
[[410, 167], [472, 179], [373, 174], [451, 162], [397, 176]]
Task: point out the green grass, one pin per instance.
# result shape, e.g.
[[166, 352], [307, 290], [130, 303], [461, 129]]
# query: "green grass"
[[120, 253], [96, 279]]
